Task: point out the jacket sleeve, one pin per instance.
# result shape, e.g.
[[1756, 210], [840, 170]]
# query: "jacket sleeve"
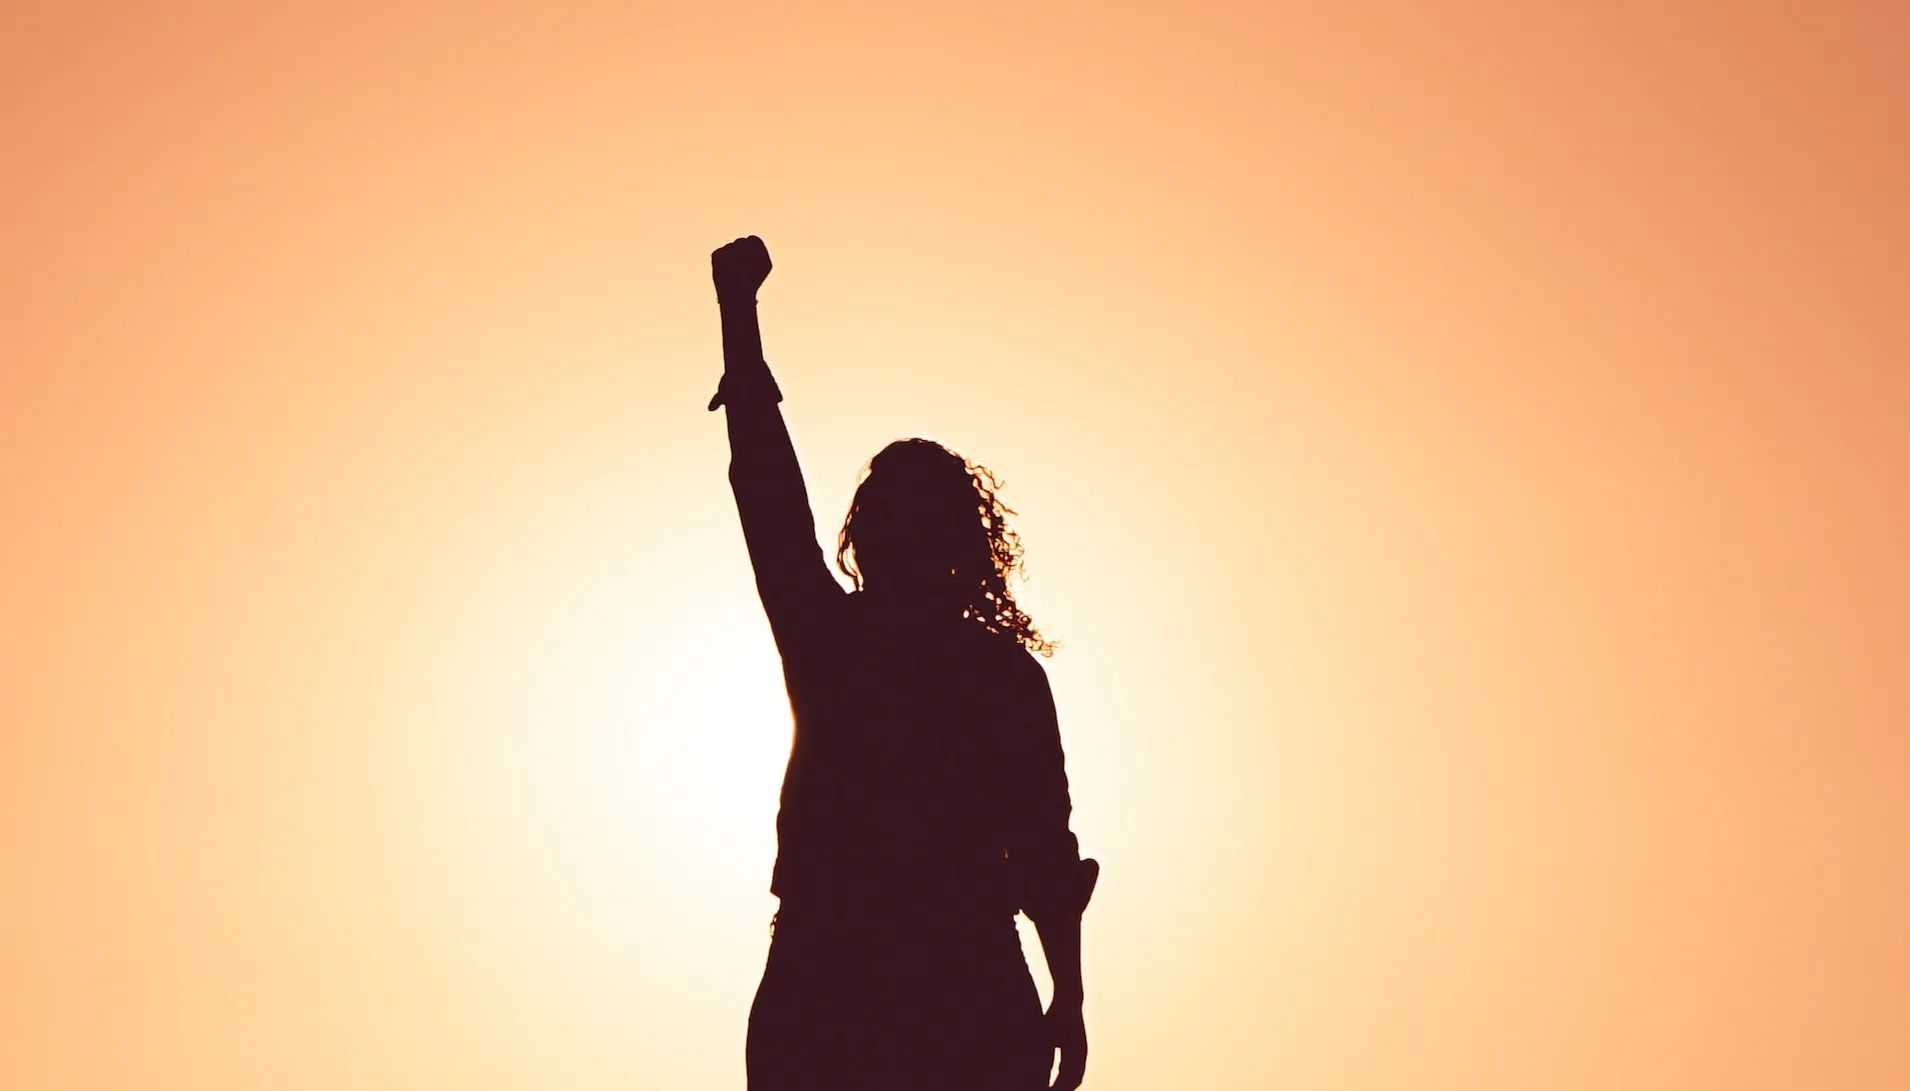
[[1054, 880], [779, 529]]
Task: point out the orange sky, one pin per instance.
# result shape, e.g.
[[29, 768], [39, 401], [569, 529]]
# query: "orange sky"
[[1462, 448]]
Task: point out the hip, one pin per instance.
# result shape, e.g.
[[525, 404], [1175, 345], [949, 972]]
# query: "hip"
[[885, 1001], [850, 933]]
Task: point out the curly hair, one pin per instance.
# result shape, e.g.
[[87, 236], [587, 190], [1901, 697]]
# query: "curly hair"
[[956, 518]]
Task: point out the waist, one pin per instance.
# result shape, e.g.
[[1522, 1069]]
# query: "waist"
[[896, 880], [851, 928]]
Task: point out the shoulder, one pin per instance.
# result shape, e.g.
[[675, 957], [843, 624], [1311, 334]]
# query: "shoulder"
[[1001, 652], [1017, 673]]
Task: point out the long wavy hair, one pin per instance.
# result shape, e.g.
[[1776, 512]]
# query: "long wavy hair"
[[926, 515]]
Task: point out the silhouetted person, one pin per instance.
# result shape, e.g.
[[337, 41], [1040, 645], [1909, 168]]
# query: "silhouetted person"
[[925, 800]]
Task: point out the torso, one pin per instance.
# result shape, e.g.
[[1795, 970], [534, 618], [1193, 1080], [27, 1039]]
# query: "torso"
[[891, 791]]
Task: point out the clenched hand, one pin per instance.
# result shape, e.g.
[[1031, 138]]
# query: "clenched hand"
[[739, 268]]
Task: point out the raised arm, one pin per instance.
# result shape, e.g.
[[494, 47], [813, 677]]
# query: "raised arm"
[[778, 528]]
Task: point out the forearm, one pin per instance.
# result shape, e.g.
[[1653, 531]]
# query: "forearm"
[[763, 466], [742, 333], [1061, 943], [745, 373]]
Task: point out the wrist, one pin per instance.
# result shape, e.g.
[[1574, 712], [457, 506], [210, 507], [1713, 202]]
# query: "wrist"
[[735, 297]]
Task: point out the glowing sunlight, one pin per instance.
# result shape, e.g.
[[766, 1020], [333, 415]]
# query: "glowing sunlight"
[[1459, 449]]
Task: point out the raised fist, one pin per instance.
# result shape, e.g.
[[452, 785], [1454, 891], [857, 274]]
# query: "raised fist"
[[739, 268]]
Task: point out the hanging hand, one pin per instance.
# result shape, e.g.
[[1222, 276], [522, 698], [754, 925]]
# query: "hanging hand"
[[1067, 1031]]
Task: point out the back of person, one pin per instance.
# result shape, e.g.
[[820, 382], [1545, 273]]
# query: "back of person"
[[896, 961], [926, 798], [902, 784]]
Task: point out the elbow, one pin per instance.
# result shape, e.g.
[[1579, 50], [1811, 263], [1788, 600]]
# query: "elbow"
[[1062, 894], [745, 479]]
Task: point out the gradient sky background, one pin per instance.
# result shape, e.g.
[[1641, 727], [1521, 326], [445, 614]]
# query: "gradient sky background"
[[1461, 446]]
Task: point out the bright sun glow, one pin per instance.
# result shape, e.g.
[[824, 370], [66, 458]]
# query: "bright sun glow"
[[638, 769], [1460, 455]]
